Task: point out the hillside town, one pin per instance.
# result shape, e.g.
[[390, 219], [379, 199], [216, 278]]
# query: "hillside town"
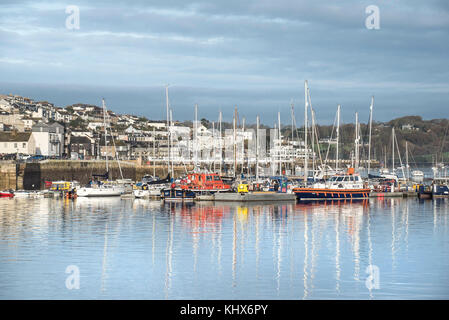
[[38, 130]]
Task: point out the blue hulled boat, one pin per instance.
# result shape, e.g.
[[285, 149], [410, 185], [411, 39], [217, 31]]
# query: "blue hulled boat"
[[347, 186], [177, 194]]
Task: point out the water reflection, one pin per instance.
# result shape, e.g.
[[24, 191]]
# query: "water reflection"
[[148, 249]]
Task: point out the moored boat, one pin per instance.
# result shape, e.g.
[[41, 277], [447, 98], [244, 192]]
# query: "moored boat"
[[347, 186], [101, 190], [6, 194], [417, 175], [210, 182], [177, 194], [439, 191]]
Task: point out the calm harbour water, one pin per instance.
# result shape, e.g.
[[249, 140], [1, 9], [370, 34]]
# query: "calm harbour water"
[[140, 249]]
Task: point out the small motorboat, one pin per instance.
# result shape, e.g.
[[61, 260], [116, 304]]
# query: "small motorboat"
[[6, 194], [177, 194]]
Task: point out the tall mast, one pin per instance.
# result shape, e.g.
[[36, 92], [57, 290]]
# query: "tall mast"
[[312, 113], [293, 117], [213, 148], [243, 142], [279, 143], [257, 147], [105, 135], [235, 146], [306, 152], [314, 132], [195, 135], [293, 123], [369, 138], [392, 144], [168, 127], [221, 147], [154, 152], [357, 140], [171, 141], [406, 160], [338, 136]]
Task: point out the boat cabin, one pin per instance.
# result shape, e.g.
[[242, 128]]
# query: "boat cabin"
[[346, 178], [204, 181]]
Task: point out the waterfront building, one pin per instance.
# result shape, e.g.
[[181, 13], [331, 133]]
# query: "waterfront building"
[[49, 139], [16, 142]]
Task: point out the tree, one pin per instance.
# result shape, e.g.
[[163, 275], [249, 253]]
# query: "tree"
[[205, 122]]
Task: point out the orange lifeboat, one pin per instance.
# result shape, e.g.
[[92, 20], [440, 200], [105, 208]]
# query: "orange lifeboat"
[[204, 182]]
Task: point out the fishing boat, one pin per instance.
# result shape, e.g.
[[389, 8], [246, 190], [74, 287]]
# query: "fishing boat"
[[347, 186]]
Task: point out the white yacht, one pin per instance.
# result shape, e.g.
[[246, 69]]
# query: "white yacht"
[[103, 190], [417, 175]]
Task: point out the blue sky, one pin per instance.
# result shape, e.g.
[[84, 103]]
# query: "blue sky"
[[251, 54]]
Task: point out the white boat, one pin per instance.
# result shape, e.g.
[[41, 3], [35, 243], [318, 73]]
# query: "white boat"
[[28, 194], [152, 191], [417, 175], [104, 190]]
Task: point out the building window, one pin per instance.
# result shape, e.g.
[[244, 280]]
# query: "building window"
[[24, 145], [15, 144]]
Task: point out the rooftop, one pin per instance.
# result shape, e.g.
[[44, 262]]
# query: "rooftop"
[[14, 136]]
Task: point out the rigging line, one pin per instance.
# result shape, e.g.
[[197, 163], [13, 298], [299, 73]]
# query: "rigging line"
[[330, 138], [312, 111], [115, 148], [442, 142]]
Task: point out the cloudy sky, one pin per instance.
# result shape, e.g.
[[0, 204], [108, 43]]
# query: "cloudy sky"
[[251, 54]]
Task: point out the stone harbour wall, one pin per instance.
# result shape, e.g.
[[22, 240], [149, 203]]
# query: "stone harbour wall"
[[32, 175]]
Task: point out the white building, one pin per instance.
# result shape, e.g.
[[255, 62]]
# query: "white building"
[[16, 142], [157, 125], [49, 139]]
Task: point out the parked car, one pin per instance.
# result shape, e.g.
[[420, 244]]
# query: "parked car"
[[24, 156], [37, 157]]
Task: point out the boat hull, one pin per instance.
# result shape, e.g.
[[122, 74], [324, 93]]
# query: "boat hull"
[[99, 192], [308, 194], [177, 195], [440, 191], [6, 195], [259, 196]]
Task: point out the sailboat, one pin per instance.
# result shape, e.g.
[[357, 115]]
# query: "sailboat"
[[151, 187], [384, 173], [102, 188]]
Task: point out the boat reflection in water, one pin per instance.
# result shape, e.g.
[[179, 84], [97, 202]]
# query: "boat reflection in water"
[[140, 249]]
